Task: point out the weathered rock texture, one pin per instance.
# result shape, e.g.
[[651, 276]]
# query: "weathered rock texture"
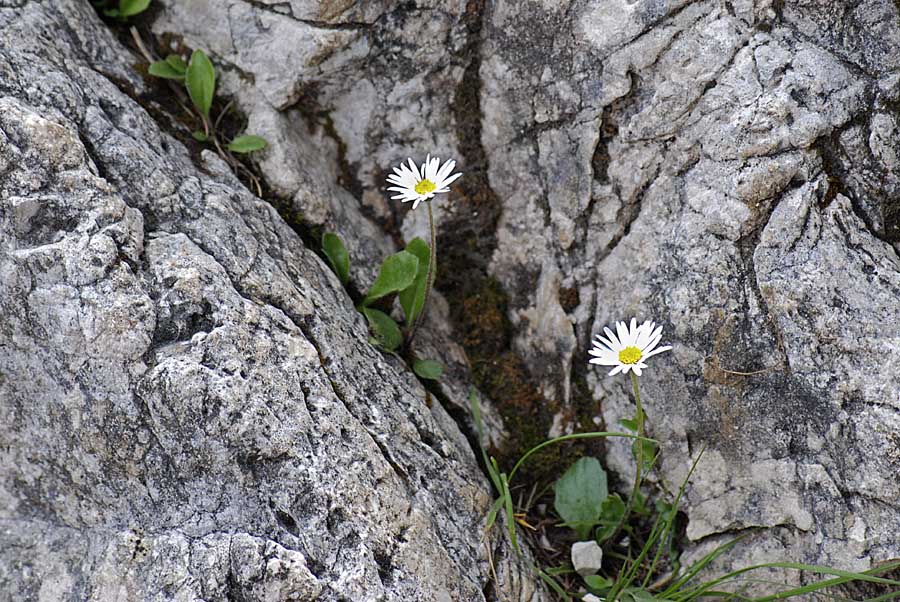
[[189, 407], [729, 169]]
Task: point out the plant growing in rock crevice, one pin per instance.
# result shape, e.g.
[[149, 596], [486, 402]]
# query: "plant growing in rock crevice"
[[407, 275], [639, 564], [418, 185], [123, 9], [199, 78]]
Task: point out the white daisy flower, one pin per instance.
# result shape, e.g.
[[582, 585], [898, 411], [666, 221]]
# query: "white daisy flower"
[[417, 185], [630, 349]]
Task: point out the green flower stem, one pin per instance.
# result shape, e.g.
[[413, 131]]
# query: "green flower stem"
[[571, 437], [640, 408], [637, 472], [430, 277]]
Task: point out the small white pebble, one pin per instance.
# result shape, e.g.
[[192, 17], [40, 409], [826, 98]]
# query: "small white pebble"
[[586, 557]]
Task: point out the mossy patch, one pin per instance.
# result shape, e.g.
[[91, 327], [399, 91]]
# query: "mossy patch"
[[479, 305]]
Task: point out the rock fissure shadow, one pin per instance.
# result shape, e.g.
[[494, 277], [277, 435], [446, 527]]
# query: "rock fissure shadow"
[[479, 304]]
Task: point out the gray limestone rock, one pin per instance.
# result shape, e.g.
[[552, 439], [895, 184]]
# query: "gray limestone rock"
[[189, 405], [728, 169]]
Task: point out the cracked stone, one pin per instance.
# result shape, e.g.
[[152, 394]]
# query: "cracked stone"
[[727, 169], [191, 408]]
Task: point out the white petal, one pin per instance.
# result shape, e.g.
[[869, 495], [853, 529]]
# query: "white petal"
[[451, 179], [403, 176], [648, 344], [637, 369], [604, 361], [644, 332], [656, 351], [446, 169], [616, 343], [415, 169], [624, 335], [601, 341], [435, 168], [603, 352], [617, 369], [656, 334]]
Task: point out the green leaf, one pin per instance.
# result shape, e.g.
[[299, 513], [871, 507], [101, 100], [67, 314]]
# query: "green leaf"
[[492, 514], [200, 136], [554, 571], [337, 256], [165, 70], [647, 450], [510, 513], [640, 595], [200, 80], [397, 272], [386, 331], [598, 585], [552, 584], [129, 8], [428, 369], [111, 12], [412, 298], [629, 423], [611, 511], [662, 507], [177, 63], [639, 503], [247, 144], [843, 577], [579, 495]]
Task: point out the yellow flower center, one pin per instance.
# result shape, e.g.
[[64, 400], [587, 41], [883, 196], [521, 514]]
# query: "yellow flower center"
[[630, 355], [425, 186]]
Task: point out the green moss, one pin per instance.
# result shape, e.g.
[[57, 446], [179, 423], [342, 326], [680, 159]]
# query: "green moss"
[[479, 312]]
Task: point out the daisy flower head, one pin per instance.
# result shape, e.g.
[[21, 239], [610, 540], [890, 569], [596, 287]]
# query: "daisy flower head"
[[415, 184], [629, 347]]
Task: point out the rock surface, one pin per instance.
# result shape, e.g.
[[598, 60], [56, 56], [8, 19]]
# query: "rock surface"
[[189, 405], [728, 169]]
